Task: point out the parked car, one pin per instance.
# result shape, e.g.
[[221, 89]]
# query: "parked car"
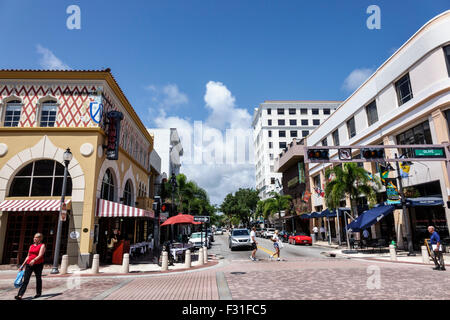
[[196, 240], [284, 236], [219, 231], [261, 233], [269, 233], [258, 232], [300, 238], [239, 238]]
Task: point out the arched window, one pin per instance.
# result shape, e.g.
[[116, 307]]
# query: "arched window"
[[49, 110], [40, 178], [128, 194], [107, 192], [12, 113]]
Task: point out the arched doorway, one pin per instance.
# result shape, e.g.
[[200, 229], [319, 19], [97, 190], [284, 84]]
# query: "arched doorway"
[[42, 180]]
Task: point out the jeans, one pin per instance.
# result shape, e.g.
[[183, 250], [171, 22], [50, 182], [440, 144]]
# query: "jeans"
[[438, 259], [37, 269]]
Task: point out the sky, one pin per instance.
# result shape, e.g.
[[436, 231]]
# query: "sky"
[[210, 61]]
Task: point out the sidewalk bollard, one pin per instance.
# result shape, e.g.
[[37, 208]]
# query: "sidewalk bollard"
[[425, 256], [392, 252], [205, 255], [126, 263], [200, 256], [95, 264], [64, 264], [187, 259], [165, 261]]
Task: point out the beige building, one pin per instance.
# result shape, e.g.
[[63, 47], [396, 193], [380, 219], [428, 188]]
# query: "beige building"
[[405, 101], [42, 113]]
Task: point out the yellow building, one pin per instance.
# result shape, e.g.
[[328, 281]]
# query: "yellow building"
[[42, 113]]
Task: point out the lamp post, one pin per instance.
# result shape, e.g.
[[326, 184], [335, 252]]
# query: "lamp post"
[[173, 182], [67, 157]]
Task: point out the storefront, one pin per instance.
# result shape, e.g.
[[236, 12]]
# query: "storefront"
[[42, 113]]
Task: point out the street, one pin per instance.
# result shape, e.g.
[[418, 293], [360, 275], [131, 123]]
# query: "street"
[[302, 274]]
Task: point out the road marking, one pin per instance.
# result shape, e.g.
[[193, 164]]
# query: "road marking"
[[266, 250]]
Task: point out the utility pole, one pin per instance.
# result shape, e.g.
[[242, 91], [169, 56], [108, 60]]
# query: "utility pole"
[[405, 213]]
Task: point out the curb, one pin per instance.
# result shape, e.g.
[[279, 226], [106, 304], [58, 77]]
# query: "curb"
[[381, 260]]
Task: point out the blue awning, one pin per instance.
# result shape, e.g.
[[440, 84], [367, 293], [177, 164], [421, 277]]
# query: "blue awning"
[[370, 217], [424, 202]]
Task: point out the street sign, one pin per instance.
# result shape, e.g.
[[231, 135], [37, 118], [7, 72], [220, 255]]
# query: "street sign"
[[429, 153], [204, 219], [345, 154]]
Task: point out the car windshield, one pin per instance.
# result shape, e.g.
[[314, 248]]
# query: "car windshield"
[[300, 234], [270, 230], [240, 233], [197, 235]]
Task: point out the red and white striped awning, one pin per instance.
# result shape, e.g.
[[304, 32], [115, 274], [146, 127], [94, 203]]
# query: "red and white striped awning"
[[31, 205], [111, 209]]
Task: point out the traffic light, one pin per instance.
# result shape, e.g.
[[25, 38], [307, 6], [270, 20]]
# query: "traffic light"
[[164, 207], [318, 154], [372, 153]]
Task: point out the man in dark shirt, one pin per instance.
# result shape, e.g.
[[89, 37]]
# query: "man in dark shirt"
[[436, 247]]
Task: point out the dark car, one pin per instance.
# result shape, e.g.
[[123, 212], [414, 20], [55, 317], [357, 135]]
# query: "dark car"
[[284, 236], [210, 235]]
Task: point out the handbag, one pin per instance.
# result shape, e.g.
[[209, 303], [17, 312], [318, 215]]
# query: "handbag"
[[19, 279]]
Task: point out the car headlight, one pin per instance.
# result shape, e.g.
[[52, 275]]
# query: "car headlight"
[[234, 240]]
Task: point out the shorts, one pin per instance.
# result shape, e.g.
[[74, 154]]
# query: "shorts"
[[253, 245], [275, 245]]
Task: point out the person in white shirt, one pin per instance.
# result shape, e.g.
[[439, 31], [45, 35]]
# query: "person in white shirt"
[[276, 244], [322, 231], [254, 243], [316, 233]]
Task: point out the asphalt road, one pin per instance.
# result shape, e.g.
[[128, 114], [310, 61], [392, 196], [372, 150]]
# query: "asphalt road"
[[265, 250]]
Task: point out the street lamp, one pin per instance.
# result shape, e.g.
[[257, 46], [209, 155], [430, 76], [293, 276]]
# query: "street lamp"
[[173, 181], [67, 157]]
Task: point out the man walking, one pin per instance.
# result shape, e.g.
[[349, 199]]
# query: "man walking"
[[316, 233], [254, 243], [437, 249]]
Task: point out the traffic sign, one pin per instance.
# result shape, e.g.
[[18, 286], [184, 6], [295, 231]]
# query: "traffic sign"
[[204, 219], [345, 154], [429, 153]]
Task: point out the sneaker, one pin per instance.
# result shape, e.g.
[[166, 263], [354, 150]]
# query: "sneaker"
[[443, 269], [37, 296], [18, 298], [278, 259], [253, 259], [436, 268]]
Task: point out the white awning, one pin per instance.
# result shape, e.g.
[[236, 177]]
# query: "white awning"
[[111, 209], [31, 205]]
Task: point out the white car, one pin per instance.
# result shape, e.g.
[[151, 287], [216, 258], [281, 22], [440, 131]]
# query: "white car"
[[219, 231], [269, 233], [196, 239]]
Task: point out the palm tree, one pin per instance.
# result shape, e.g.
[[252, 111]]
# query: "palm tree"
[[276, 204], [352, 181]]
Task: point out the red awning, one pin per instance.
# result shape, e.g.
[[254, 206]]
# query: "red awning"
[[111, 209], [180, 219], [31, 205]]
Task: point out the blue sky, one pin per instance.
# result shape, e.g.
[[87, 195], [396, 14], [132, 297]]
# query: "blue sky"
[[164, 53]]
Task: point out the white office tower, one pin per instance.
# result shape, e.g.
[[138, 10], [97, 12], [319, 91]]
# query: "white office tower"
[[275, 124]]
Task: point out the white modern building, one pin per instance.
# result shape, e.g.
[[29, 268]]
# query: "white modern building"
[[169, 149], [275, 124], [405, 101]]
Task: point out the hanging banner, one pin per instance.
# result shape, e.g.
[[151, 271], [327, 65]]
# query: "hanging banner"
[[301, 172], [404, 169], [307, 196], [112, 148], [393, 197]]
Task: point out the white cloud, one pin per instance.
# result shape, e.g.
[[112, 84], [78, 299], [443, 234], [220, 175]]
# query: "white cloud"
[[217, 178], [49, 61], [356, 78], [224, 112], [167, 96]]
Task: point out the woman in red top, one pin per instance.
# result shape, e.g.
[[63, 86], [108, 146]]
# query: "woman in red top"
[[34, 263]]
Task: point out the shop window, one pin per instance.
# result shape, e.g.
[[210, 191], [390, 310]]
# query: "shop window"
[[107, 191], [48, 114], [128, 194], [40, 179], [12, 113]]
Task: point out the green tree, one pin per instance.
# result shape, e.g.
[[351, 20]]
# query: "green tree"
[[349, 181], [276, 204], [241, 206]]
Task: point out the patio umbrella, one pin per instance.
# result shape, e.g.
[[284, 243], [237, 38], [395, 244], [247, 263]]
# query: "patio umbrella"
[[180, 219]]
